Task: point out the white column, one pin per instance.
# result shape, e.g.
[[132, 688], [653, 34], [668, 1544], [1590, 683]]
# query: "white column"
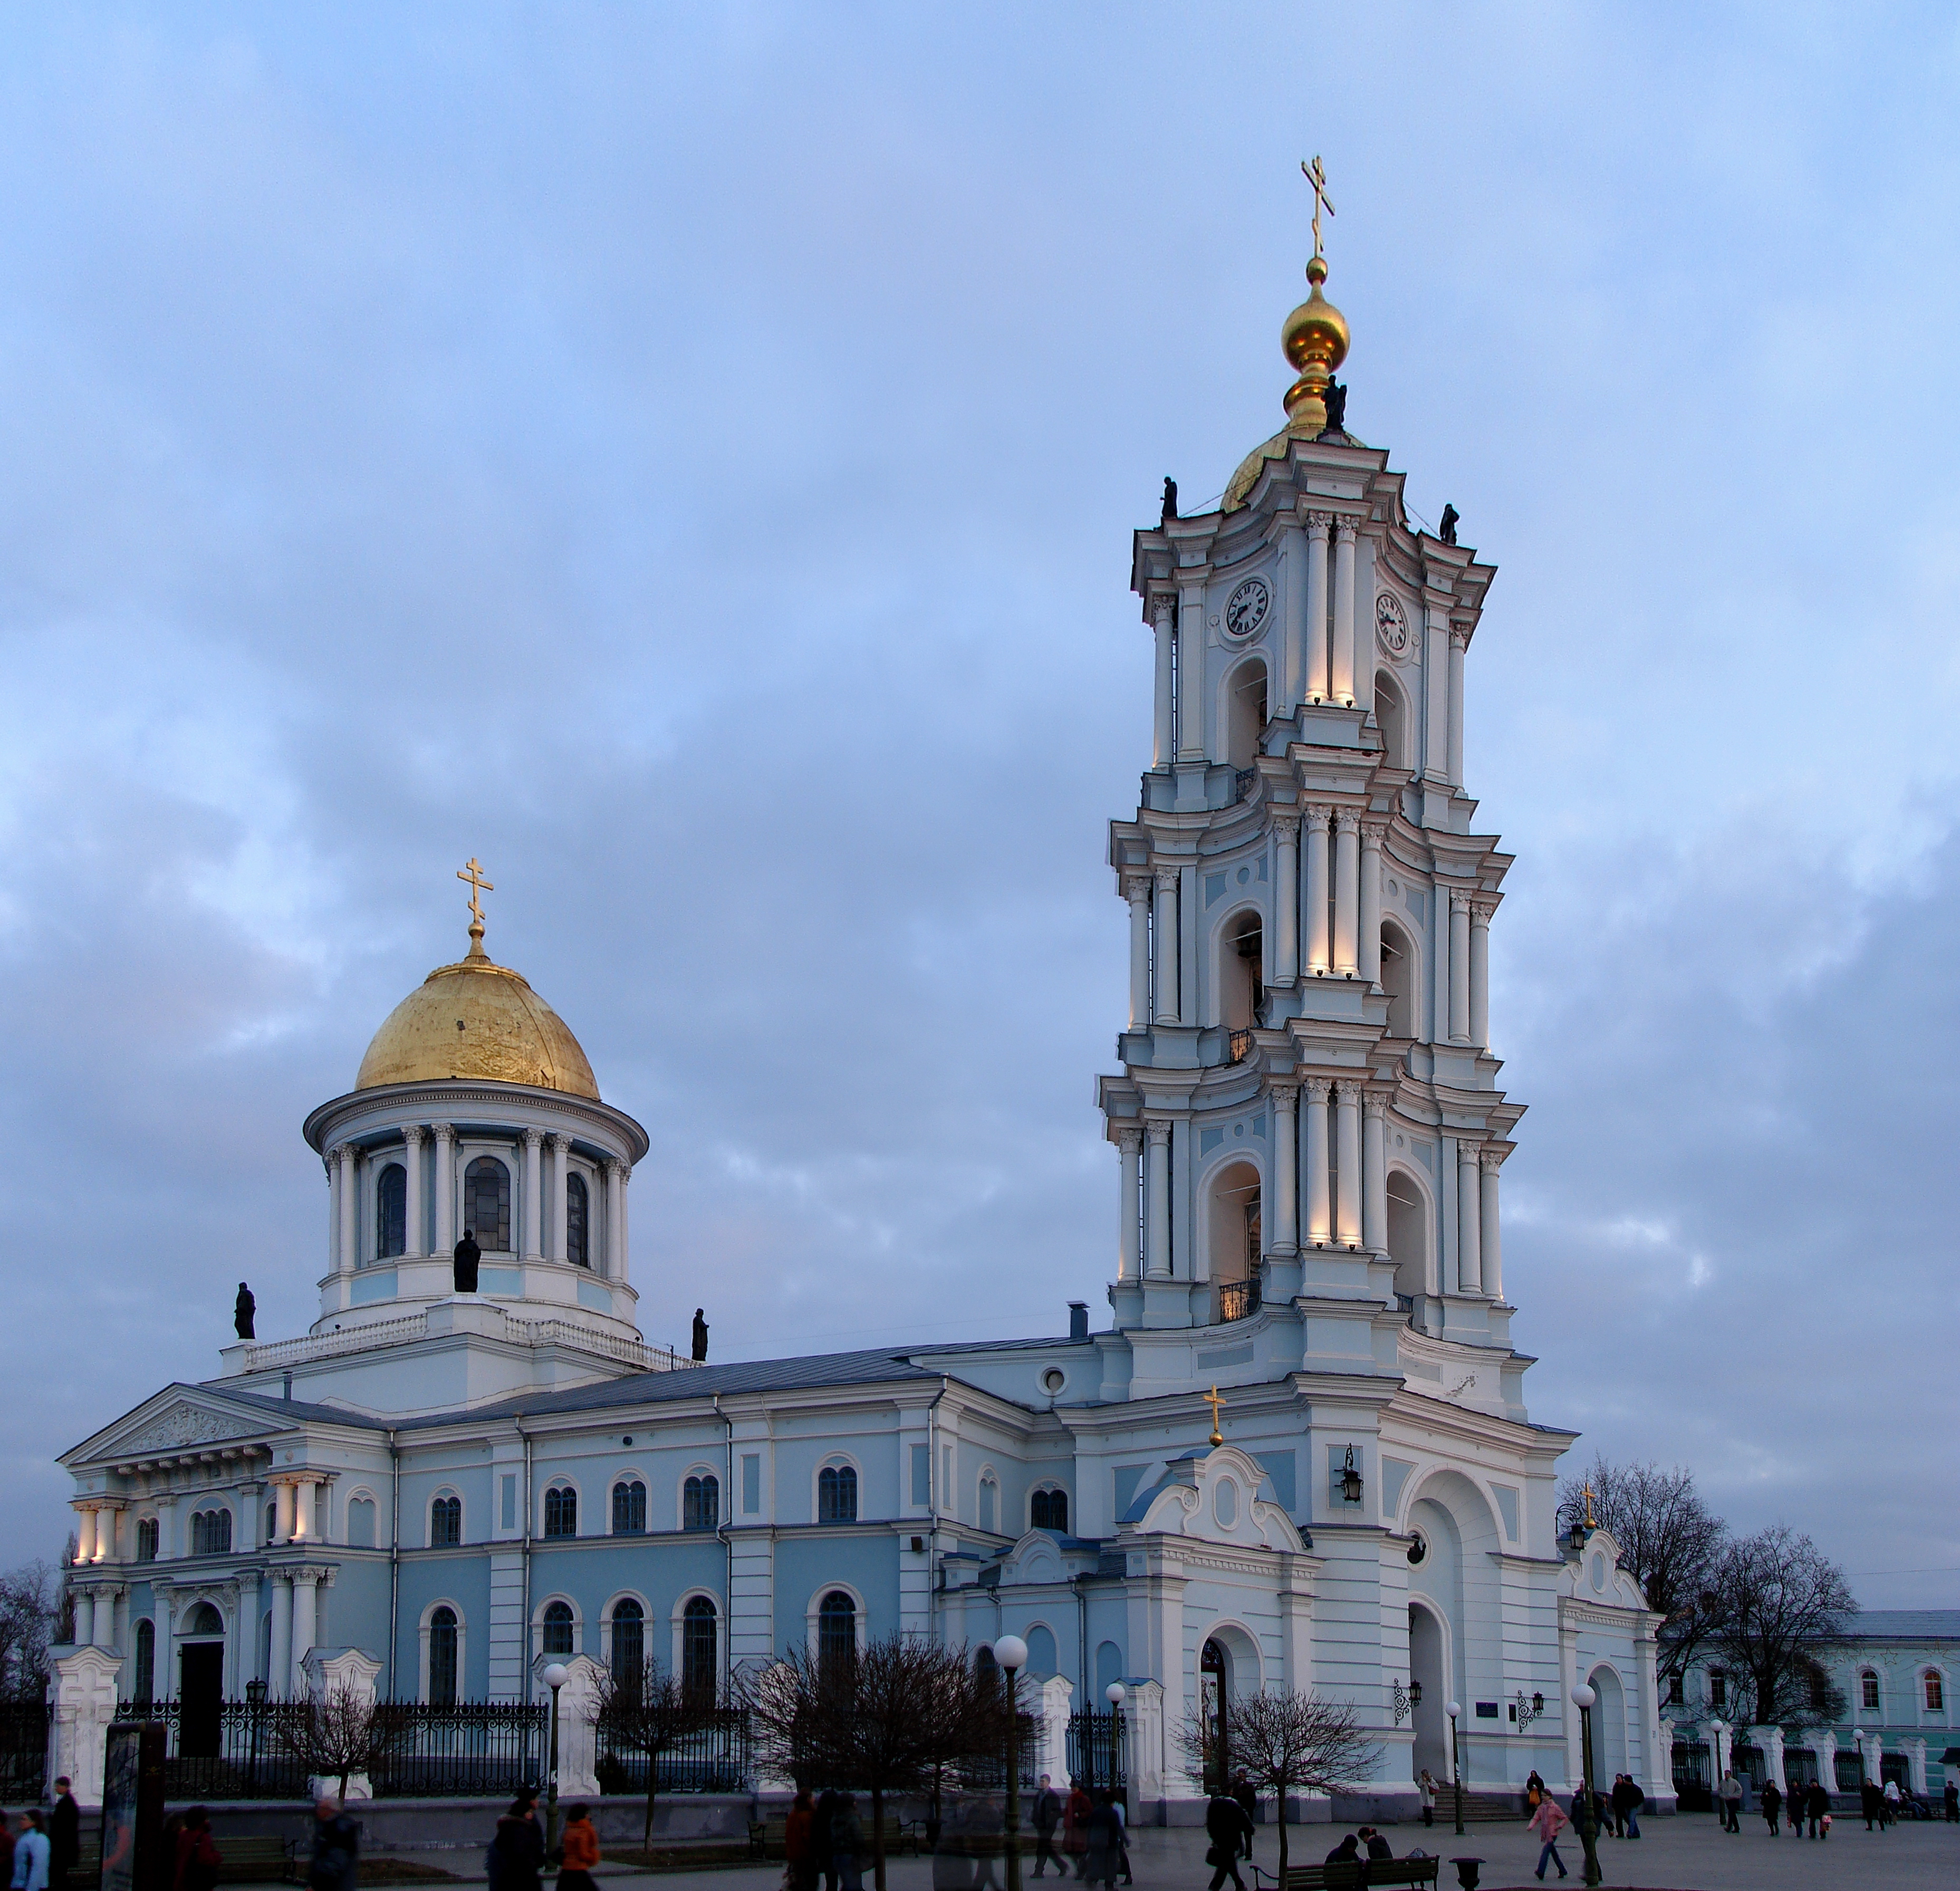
[[1347, 1138], [445, 1189], [1130, 1150], [306, 1622], [1375, 1173], [1344, 613], [1320, 1209], [282, 1511], [1289, 666], [414, 1137], [1156, 1218], [1283, 1224], [85, 1533], [1373, 833], [1317, 524], [533, 1186], [333, 1209], [560, 1175], [1137, 891], [1438, 952], [1347, 892], [1436, 677], [1286, 901], [279, 1656], [84, 1618], [1491, 1246], [1319, 955], [1163, 621], [1190, 675], [1469, 1221], [1459, 641], [303, 1526], [1481, 913], [1459, 968], [1165, 927], [350, 1206]]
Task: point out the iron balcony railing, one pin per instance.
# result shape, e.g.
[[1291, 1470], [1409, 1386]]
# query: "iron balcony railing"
[[1238, 1299], [1240, 1046]]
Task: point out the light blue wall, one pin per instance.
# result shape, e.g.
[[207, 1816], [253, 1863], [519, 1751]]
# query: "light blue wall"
[[808, 1560], [458, 1576]]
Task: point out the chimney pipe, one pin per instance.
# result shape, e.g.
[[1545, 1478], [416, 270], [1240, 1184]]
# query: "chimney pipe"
[[1078, 1320]]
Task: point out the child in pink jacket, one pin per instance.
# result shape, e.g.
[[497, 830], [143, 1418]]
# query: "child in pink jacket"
[[1548, 1822]]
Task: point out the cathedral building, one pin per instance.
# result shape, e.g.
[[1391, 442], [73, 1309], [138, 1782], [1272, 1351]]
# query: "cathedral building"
[[1299, 1457]]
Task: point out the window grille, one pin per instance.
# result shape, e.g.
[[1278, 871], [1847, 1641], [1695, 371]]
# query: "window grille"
[[146, 1539], [629, 1507], [837, 1494], [629, 1642], [836, 1629], [486, 1204], [701, 1503], [1049, 1509], [391, 1212], [697, 1647], [557, 1628], [442, 1658], [446, 1523], [561, 1511], [576, 1219]]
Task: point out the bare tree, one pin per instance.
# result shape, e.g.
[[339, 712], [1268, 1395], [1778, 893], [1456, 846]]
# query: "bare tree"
[[1286, 1743], [652, 1713], [1670, 1543], [1779, 1601], [342, 1735], [29, 1614], [887, 1720]]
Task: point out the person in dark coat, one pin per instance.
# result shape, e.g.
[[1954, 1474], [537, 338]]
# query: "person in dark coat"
[[1243, 1791], [1231, 1832], [1106, 1841], [821, 1842], [1047, 1815], [1817, 1802], [1378, 1846], [64, 1836], [1348, 1852], [1868, 1802], [335, 1865], [468, 1254], [1772, 1804], [519, 1847]]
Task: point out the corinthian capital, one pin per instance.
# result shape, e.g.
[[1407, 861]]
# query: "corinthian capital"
[[1167, 881], [1159, 1134], [1459, 636], [1286, 1096], [1482, 911], [1316, 521], [534, 1140], [1344, 529], [1490, 1160], [1287, 826], [1136, 886], [1376, 1104], [1162, 609], [1317, 1088], [415, 1135], [444, 1132], [1347, 822], [1130, 1141]]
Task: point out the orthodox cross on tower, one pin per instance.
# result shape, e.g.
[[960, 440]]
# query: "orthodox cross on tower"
[[1317, 178], [477, 885], [1212, 1398], [1589, 1524]]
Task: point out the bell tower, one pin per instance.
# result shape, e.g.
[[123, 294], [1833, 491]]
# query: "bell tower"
[[1308, 1116]]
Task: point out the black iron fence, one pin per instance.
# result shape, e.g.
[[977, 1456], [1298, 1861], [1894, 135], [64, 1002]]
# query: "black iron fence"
[[23, 1750], [1096, 1748], [227, 1749], [1238, 1299], [991, 1775], [711, 1758], [475, 1749]]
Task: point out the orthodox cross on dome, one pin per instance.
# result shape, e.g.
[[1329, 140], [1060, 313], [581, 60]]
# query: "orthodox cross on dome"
[[1589, 1522], [1212, 1398], [1317, 178], [477, 885]]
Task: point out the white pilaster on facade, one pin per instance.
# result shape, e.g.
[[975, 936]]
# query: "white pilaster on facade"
[[1435, 717], [533, 1190], [445, 1188], [305, 1627], [1317, 525], [1348, 1140], [616, 1219], [1319, 942], [1191, 674], [1459, 968], [1320, 1205], [84, 1618], [303, 1531], [1164, 622], [1347, 892], [561, 1147], [282, 1511], [1481, 911], [1164, 928], [350, 1206], [1459, 641], [1289, 658], [1375, 1173], [1285, 899], [84, 1533], [1438, 952], [334, 1210], [1137, 891], [1284, 1220], [1343, 681], [1491, 1248], [413, 1217], [1156, 1209], [1130, 1151], [1372, 834], [1469, 1221]]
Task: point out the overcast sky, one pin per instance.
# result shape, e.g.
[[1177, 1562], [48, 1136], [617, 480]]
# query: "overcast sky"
[[687, 459]]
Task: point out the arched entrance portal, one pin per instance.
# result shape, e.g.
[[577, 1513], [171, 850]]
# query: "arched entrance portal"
[[1213, 1691], [200, 1682], [1428, 1671], [1609, 1727]]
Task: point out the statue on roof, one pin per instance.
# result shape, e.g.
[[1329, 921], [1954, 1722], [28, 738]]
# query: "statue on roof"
[[700, 1336], [243, 1309], [468, 1254], [1170, 501], [1336, 401], [1447, 532]]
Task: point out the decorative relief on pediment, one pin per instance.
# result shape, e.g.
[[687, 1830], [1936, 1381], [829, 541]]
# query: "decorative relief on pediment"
[[182, 1425]]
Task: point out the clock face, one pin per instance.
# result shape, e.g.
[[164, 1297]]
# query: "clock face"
[[1391, 624], [1245, 609]]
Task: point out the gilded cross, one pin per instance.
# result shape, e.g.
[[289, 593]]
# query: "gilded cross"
[[1589, 1524], [1318, 178], [1212, 1398], [478, 884]]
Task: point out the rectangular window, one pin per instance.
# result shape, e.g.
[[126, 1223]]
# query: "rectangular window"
[[1936, 1694], [1674, 1695], [1868, 1693], [506, 1501], [752, 1483], [921, 1475], [1718, 1689], [146, 1540]]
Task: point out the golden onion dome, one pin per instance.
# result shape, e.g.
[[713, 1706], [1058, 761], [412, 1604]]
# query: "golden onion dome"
[[1315, 340], [479, 1020], [1316, 331]]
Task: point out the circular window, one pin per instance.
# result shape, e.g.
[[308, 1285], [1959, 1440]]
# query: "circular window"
[[1245, 609], [1418, 1548], [1225, 1503], [1053, 1380]]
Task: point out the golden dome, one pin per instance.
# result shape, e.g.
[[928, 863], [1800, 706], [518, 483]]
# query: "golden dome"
[[480, 1021], [1315, 340]]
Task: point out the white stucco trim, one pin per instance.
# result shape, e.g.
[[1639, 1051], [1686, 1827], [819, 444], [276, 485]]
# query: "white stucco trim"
[[462, 1632], [815, 1603]]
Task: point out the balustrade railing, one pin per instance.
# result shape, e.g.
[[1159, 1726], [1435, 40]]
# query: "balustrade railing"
[[1240, 1046], [1238, 1299]]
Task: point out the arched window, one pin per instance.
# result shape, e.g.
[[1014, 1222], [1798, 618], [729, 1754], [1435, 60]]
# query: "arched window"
[[1242, 979], [558, 1628], [836, 1630], [1049, 1509], [1398, 980], [1868, 1692], [146, 1660], [1041, 1653], [701, 1503], [1234, 1227], [1245, 714], [146, 1541], [697, 1648], [990, 1503], [837, 1494], [486, 1204], [629, 1642], [391, 1212], [1408, 1235], [204, 1620], [577, 1220], [561, 1511], [442, 1657], [210, 1533], [629, 1507], [986, 1670], [359, 1522], [446, 1523], [1935, 1691], [1392, 720]]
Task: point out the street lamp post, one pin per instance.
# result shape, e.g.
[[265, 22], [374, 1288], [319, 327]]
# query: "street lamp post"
[[1113, 1694], [1583, 1697], [555, 1678], [1456, 1761], [1010, 1652]]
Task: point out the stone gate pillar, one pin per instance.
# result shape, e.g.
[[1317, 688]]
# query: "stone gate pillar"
[[340, 1681], [82, 1691], [577, 1729], [1056, 1694], [1144, 1711]]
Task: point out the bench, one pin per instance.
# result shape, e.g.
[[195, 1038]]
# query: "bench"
[[1365, 1874], [254, 1861]]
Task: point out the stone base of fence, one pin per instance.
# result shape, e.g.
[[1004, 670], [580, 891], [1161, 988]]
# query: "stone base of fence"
[[462, 1827]]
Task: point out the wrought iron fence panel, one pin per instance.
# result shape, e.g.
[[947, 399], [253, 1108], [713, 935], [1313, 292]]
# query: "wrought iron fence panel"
[[474, 1749], [711, 1758], [991, 1774], [1096, 1748], [23, 1750], [235, 1749]]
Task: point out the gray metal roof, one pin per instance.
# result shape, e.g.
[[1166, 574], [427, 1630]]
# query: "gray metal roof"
[[1904, 1625]]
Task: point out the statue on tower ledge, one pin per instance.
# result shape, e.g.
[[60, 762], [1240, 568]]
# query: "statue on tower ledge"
[[243, 1309], [700, 1335], [467, 1255]]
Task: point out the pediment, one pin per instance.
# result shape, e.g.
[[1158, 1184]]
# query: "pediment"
[[1595, 1577], [1214, 1497], [175, 1419]]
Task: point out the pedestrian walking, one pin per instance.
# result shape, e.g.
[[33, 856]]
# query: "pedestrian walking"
[[1229, 1831], [1817, 1802], [821, 1840], [1047, 1815], [1122, 1836], [1106, 1842], [578, 1851], [1772, 1805], [1425, 1787], [335, 1863], [799, 1843], [1888, 1804], [1635, 1799], [1951, 1798], [64, 1836], [197, 1855], [31, 1853], [1075, 1826], [1732, 1802], [1243, 1791], [1547, 1822], [847, 1843]]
